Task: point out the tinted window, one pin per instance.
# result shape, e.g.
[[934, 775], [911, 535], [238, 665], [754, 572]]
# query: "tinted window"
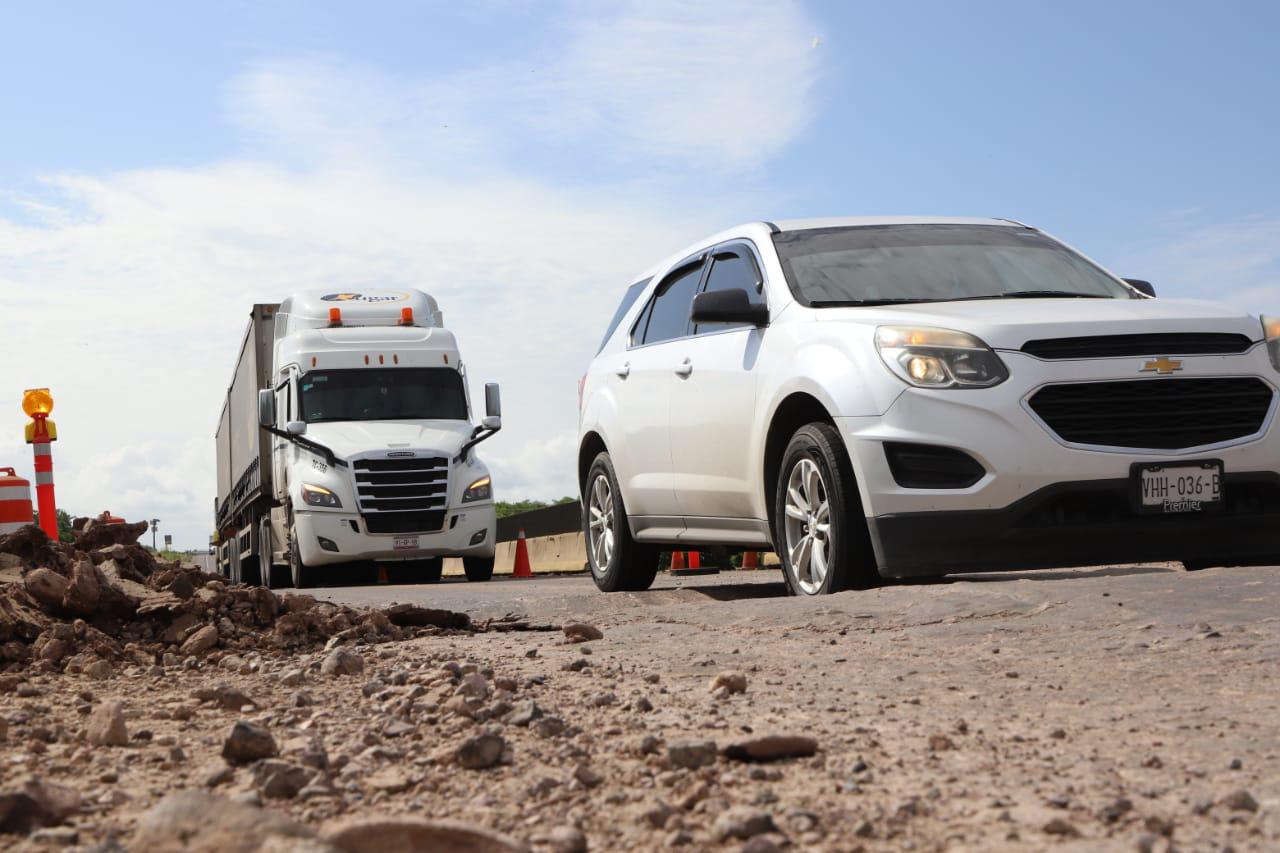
[[383, 394], [669, 316], [731, 271], [628, 299], [934, 263]]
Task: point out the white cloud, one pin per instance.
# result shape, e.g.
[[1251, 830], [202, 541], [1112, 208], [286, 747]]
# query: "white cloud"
[[127, 293]]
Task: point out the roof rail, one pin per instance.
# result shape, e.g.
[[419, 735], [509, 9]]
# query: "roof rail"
[[1015, 222]]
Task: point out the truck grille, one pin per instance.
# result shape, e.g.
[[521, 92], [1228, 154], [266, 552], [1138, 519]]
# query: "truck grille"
[[1115, 346], [1163, 414], [402, 495]]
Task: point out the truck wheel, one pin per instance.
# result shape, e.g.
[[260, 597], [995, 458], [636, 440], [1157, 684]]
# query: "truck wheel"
[[616, 560], [416, 571], [822, 539], [478, 568], [303, 575]]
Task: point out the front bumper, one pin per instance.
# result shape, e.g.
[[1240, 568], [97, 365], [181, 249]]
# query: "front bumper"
[[349, 534], [1043, 503]]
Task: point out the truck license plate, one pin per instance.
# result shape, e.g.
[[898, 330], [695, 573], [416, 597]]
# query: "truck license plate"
[[1192, 487], [405, 543]]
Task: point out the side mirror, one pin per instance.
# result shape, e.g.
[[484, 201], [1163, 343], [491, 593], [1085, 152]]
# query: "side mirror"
[[1141, 286], [492, 401], [296, 427], [266, 408], [729, 306]]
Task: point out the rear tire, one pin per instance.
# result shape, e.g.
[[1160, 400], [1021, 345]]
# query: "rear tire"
[[478, 569], [819, 526], [416, 571], [617, 561], [303, 575]]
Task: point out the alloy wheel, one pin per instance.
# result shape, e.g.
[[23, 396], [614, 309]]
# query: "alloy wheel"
[[601, 523], [808, 526]]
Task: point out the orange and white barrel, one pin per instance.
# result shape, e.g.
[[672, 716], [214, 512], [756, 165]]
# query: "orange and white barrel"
[[15, 501]]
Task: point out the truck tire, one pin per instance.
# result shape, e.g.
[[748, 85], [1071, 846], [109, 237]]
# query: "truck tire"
[[478, 569], [303, 575], [822, 537], [416, 571], [617, 561]]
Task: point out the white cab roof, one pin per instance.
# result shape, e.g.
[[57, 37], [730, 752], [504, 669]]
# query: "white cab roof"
[[367, 307]]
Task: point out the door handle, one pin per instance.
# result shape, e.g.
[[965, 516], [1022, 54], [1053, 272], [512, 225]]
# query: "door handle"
[[685, 368], [624, 371]]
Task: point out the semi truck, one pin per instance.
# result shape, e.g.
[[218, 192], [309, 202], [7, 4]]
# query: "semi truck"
[[346, 441]]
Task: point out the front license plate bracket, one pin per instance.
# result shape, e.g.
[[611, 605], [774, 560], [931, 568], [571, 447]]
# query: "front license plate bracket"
[[1176, 488]]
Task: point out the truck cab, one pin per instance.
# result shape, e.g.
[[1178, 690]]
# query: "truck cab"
[[368, 436]]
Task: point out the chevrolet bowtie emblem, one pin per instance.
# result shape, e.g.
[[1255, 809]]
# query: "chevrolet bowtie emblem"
[[1163, 366]]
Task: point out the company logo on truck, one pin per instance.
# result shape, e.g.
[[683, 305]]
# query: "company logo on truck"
[[362, 297]]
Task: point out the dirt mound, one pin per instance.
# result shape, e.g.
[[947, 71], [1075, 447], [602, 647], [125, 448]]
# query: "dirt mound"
[[104, 598]]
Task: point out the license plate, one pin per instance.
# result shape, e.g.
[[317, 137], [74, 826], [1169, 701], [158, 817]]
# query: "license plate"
[[1163, 488], [405, 543]]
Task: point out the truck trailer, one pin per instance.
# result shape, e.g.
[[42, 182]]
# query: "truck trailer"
[[346, 440]]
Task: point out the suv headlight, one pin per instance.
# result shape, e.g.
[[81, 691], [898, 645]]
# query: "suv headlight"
[[928, 357], [1271, 331], [319, 496], [480, 490]]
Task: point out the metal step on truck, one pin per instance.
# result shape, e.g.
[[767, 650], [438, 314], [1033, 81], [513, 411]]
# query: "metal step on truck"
[[347, 441]]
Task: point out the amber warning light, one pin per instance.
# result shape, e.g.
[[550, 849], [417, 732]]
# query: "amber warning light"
[[335, 316], [406, 316]]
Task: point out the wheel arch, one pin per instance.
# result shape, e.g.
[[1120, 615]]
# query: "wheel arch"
[[591, 446], [794, 411]]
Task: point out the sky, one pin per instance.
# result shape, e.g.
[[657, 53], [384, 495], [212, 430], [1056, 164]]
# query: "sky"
[[165, 166]]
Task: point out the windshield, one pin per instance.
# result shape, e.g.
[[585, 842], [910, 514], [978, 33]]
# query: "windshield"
[[886, 264], [383, 394]]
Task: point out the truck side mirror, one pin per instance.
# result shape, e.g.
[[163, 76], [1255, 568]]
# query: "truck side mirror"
[[492, 401], [296, 427], [1141, 286], [266, 408]]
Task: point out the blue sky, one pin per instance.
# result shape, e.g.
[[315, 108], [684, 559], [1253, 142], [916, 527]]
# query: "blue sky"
[[164, 165]]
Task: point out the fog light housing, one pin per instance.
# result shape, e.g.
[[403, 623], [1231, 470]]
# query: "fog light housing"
[[478, 536], [929, 466], [327, 544]]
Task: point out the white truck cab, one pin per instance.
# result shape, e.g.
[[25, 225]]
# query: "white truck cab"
[[366, 444]]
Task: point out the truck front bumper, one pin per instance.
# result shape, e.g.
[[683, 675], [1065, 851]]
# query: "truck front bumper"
[[326, 538]]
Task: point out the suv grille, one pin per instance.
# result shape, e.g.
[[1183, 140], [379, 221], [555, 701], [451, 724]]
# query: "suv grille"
[[408, 495], [1114, 346], [1164, 414]]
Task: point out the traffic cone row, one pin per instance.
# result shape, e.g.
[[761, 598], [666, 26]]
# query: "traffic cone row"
[[750, 560]]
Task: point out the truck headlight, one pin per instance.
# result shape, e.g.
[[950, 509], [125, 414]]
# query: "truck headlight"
[[928, 357], [480, 490], [319, 496], [1271, 331]]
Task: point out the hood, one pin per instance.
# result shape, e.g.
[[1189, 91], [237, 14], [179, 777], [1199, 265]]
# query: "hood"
[[1010, 323], [348, 438]]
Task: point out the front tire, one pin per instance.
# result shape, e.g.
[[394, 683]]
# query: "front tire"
[[274, 574], [822, 537], [478, 569], [616, 560], [303, 575]]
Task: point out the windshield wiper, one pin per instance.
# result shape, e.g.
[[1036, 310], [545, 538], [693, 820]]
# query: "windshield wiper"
[[1031, 294], [862, 303]]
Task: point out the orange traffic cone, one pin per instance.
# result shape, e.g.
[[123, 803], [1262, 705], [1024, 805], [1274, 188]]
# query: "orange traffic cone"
[[750, 560], [382, 575], [522, 568], [677, 561], [695, 560]]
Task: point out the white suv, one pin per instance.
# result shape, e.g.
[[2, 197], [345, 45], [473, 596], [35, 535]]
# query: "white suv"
[[875, 397]]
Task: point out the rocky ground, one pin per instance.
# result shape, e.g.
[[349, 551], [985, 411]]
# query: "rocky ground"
[[1132, 708]]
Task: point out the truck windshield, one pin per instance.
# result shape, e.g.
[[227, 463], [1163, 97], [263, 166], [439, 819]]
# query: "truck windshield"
[[887, 264], [383, 394]]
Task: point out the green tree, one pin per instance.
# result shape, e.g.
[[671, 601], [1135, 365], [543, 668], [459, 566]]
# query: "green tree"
[[65, 533], [508, 508]]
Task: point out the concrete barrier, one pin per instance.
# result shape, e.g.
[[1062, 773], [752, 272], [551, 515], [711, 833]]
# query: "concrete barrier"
[[561, 552]]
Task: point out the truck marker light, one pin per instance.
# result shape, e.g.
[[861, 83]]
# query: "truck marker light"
[[446, 358], [406, 316], [366, 359], [335, 317], [313, 361], [381, 360], [395, 359]]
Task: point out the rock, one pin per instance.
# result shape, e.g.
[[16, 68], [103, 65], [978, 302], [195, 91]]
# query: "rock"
[[396, 834], [587, 776], [36, 803], [772, 748], [548, 727], [99, 670], [83, 589], [940, 743], [219, 775], [480, 752], [741, 822], [602, 700], [47, 587], [56, 836], [524, 713], [201, 641], [95, 535], [731, 681], [1115, 810], [1062, 828], [199, 822], [581, 632], [473, 686], [248, 742], [656, 814], [1240, 801], [224, 696], [413, 616], [105, 726], [342, 661], [567, 839], [692, 754], [292, 678], [769, 843], [391, 780], [280, 780], [51, 649]]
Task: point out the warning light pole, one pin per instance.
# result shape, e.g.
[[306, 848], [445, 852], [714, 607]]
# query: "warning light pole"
[[41, 433]]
